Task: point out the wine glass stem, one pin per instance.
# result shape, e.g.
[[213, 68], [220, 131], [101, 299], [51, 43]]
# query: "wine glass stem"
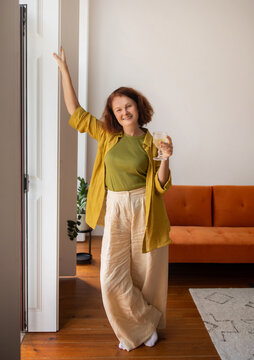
[[160, 153]]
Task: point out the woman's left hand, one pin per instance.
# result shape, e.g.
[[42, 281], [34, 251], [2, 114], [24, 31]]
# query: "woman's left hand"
[[167, 147]]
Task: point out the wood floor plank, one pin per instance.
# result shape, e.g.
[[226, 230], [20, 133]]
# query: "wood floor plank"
[[99, 336], [88, 349], [85, 332]]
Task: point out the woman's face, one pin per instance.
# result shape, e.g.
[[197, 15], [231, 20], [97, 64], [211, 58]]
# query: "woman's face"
[[126, 111]]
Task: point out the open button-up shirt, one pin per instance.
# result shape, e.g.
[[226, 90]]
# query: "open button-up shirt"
[[157, 223]]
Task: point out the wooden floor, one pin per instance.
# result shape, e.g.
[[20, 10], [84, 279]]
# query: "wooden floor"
[[85, 332]]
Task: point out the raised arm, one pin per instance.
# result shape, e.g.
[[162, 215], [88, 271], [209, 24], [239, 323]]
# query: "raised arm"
[[80, 119], [70, 97]]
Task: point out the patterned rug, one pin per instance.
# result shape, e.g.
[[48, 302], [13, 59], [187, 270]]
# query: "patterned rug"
[[228, 315]]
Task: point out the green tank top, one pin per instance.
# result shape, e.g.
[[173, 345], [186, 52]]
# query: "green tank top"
[[126, 164]]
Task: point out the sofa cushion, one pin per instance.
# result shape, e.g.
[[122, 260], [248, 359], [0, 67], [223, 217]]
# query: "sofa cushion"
[[233, 205], [197, 235], [211, 245], [189, 205]]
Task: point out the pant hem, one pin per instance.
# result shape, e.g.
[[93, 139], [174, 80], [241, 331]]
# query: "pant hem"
[[145, 338]]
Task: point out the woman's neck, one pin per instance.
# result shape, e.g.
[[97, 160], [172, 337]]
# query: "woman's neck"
[[133, 131]]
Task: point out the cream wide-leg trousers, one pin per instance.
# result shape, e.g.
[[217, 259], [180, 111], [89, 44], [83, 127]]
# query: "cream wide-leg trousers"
[[134, 285]]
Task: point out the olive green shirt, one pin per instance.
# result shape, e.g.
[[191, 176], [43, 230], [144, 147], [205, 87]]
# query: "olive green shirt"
[[126, 164]]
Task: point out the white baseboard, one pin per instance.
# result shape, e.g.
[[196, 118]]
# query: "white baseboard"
[[22, 335]]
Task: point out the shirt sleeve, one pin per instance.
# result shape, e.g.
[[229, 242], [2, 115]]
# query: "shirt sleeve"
[[83, 121]]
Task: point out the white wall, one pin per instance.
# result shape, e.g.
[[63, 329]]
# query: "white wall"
[[68, 140], [193, 59], [82, 88], [10, 190]]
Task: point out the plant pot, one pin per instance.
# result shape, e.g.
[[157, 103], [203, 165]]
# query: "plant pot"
[[83, 226]]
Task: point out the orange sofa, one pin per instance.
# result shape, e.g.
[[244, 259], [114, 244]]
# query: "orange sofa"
[[211, 224]]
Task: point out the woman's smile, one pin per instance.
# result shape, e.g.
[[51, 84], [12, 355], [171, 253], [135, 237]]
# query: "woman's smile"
[[127, 117]]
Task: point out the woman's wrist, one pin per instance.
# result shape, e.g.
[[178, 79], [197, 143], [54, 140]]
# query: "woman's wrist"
[[64, 69], [163, 172], [165, 163]]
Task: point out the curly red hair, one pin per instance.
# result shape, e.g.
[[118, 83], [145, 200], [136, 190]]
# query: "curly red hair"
[[145, 109]]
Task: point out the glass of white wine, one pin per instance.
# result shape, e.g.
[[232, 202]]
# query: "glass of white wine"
[[159, 136]]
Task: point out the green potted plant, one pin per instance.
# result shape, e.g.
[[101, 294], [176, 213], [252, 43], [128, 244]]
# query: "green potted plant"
[[73, 227]]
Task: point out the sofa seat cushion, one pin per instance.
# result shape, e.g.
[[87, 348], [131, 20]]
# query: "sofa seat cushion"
[[197, 235]]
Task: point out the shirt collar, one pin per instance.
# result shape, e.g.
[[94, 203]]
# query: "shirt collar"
[[148, 140]]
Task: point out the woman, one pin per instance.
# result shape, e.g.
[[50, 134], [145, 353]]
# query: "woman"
[[125, 196]]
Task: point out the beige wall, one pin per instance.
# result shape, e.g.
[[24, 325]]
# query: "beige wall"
[[193, 59], [68, 141], [10, 190]]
